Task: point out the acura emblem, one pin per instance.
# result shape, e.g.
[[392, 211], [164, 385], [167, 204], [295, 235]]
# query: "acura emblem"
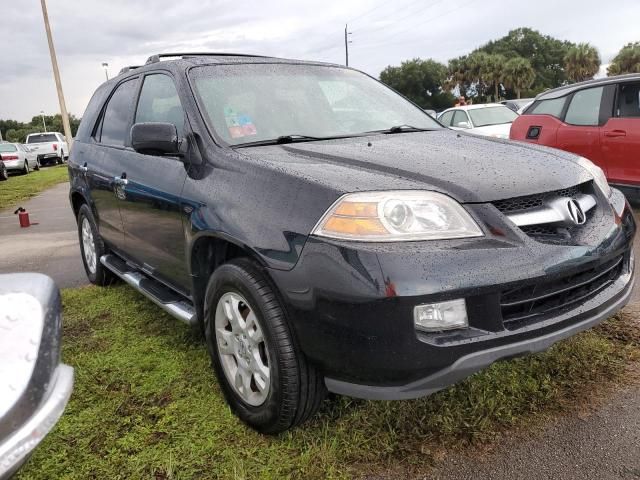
[[575, 212]]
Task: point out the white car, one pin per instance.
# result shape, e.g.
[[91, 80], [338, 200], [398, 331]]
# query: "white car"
[[50, 147], [18, 158], [490, 119]]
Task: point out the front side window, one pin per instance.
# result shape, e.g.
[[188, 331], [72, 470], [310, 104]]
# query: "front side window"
[[628, 100], [41, 138], [159, 102], [584, 108], [483, 117], [115, 122], [460, 119], [257, 102], [551, 107]]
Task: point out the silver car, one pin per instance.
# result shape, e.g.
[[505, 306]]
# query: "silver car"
[[18, 157]]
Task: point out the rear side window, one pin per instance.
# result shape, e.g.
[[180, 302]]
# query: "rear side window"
[[459, 118], [445, 119], [548, 107], [628, 100], [584, 108], [159, 102], [41, 138], [115, 121]]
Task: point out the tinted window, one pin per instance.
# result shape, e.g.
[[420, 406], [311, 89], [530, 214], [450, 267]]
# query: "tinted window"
[[159, 102], [629, 100], [482, 117], [446, 118], [584, 108], [254, 102], [115, 123], [41, 138], [549, 107], [460, 117]]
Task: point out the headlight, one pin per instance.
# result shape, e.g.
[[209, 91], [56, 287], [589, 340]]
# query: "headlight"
[[598, 175], [396, 216]]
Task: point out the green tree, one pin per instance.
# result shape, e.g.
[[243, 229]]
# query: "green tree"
[[518, 74], [420, 81], [626, 61], [581, 62], [545, 53]]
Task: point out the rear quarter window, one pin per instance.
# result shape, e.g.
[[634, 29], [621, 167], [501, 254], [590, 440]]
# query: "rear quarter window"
[[551, 107]]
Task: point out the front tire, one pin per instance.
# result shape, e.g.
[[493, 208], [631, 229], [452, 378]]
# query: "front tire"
[[25, 168], [265, 378], [92, 248]]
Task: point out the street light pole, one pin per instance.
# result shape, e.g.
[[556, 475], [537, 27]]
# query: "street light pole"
[[346, 44], [105, 65], [56, 76], [44, 125]]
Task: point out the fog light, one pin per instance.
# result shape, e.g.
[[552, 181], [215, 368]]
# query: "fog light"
[[435, 317]]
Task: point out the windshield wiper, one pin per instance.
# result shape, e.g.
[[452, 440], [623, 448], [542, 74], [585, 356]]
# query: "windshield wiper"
[[402, 129], [282, 139]]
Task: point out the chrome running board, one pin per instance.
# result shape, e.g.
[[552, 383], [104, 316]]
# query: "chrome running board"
[[167, 299]]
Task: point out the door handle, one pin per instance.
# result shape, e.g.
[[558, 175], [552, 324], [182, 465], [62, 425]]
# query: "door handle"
[[615, 133], [122, 179], [84, 168]]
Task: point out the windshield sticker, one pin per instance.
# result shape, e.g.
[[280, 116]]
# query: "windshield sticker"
[[239, 124]]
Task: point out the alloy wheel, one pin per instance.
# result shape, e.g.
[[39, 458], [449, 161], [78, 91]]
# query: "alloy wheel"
[[88, 245]]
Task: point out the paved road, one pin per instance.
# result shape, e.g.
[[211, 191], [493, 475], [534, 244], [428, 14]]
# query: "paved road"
[[51, 247], [603, 444]]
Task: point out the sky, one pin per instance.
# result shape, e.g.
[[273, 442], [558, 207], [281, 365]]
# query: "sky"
[[125, 32]]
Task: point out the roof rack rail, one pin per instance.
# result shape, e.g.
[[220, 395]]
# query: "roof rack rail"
[[128, 69], [156, 58]]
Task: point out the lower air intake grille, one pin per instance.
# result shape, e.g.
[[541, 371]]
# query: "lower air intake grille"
[[523, 303]]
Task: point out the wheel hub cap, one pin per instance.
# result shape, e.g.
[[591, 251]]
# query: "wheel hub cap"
[[88, 246], [242, 349]]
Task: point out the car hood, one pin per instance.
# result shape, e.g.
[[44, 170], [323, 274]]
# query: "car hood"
[[467, 167]]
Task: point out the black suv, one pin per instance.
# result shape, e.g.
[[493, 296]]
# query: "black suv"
[[326, 234]]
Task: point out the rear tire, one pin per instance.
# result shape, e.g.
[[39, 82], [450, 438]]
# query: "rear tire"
[[92, 248], [295, 388], [4, 175]]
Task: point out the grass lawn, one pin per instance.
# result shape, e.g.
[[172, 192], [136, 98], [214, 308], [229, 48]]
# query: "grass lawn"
[[22, 187], [146, 405]]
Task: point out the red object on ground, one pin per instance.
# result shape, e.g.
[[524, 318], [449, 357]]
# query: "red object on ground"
[[23, 217]]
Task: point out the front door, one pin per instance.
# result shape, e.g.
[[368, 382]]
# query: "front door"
[[621, 137], [151, 208]]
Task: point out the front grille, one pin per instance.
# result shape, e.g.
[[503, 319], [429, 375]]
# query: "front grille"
[[539, 300], [511, 205]]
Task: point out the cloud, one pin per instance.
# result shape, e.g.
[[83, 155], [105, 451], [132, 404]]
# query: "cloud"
[[125, 32]]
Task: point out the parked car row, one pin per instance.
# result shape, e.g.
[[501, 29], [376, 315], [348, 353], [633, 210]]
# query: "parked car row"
[[40, 149]]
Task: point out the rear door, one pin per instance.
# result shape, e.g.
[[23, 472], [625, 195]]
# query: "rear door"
[[620, 136], [104, 158], [580, 132], [151, 208]]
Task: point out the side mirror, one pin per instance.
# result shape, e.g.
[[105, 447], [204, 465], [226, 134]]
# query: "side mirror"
[[155, 138], [463, 125]]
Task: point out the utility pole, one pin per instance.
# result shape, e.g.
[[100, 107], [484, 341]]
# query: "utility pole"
[[346, 44], [105, 65], [56, 76], [44, 125]]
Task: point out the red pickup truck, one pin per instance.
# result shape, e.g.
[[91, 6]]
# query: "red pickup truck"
[[598, 119]]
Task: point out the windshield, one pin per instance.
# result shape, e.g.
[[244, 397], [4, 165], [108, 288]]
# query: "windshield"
[[482, 117], [41, 138], [254, 102], [7, 147]]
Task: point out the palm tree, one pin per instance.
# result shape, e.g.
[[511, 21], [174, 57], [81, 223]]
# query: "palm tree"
[[626, 61], [518, 74], [581, 62], [493, 72]]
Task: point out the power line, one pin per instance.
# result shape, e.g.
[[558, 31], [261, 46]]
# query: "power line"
[[410, 14]]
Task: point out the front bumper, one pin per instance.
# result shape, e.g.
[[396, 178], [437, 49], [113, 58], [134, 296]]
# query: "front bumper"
[[15, 449], [352, 305]]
